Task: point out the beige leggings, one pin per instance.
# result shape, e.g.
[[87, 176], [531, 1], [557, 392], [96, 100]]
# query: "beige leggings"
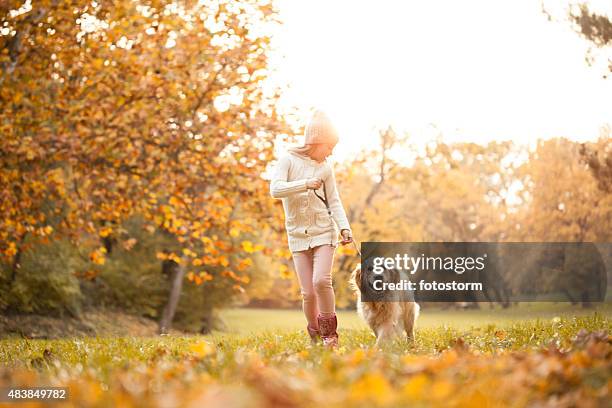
[[313, 267]]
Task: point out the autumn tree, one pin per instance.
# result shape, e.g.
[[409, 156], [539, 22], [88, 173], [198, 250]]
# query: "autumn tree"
[[157, 108], [595, 27], [598, 156], [570, 209]]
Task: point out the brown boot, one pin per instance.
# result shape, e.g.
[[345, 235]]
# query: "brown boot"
[[315, 335], [327, 327]]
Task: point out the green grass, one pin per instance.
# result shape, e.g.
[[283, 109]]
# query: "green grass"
[[526, 326], [247, 321], [102, 354], [460, 358]]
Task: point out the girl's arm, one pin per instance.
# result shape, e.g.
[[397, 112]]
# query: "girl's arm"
[[279, 186], [335, 204]]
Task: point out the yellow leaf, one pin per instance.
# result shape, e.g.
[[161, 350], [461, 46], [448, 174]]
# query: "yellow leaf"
[[372, 386], [357, 357], [188, 252], [284, 272], [97, 256], [248, 246], [223, 260], [202, 348], [415, 387], [12, 249], [441, 389]]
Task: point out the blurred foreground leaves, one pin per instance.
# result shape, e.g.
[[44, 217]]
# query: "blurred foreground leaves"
[[562, 362]]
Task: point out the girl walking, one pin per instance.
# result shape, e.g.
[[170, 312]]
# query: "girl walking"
[[305, 182]]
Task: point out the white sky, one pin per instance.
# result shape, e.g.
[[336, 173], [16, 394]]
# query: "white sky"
[[474, 70]]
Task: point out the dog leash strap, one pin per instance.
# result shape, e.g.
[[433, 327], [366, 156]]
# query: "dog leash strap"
[[329, 212], [323, 199], [331, 241]]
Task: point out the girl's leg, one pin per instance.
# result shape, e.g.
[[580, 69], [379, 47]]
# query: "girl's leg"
[[302, 260], [323, 259]]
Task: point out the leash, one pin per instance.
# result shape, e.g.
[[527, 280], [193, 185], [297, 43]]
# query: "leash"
[[324, 200]]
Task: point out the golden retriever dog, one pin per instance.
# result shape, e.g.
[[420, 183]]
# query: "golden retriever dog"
[[387, 319]]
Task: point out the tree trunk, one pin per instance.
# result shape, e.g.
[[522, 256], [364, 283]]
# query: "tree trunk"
[[207, 322], [17, 259], [569, 296], [177, 273]]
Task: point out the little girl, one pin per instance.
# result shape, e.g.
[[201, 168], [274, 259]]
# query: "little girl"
[[305, 182]]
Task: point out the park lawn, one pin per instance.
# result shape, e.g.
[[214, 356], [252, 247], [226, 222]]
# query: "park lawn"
[[245, 321], [531, 356]]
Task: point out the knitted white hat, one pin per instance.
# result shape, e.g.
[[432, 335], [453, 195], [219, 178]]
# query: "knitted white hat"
[[320, 130]]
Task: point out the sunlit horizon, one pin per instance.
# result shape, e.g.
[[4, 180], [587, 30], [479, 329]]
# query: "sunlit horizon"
[[472, 72]]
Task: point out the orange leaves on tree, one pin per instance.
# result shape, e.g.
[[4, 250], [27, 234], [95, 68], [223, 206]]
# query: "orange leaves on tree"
[[175, 201], [11, 250], [230, 274], [248, 247], [199, 277], [105, 232], [244, 264], [284, 271], [44, 231], [98, 256], [222, 245], [100, 157], [189, 252], [223, 260], [168, 256], [282, 253], [89, 274]]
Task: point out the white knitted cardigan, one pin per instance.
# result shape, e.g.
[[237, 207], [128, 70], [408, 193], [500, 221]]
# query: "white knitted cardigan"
[[307, 221]]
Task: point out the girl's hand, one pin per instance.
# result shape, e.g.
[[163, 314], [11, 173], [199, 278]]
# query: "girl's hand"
[[314, 183], [346, 237]]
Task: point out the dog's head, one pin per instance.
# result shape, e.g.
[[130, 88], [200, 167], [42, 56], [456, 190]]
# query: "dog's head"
[[355, 281]]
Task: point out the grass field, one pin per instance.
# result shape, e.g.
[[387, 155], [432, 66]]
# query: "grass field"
[[244, 321], [533, 355]]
